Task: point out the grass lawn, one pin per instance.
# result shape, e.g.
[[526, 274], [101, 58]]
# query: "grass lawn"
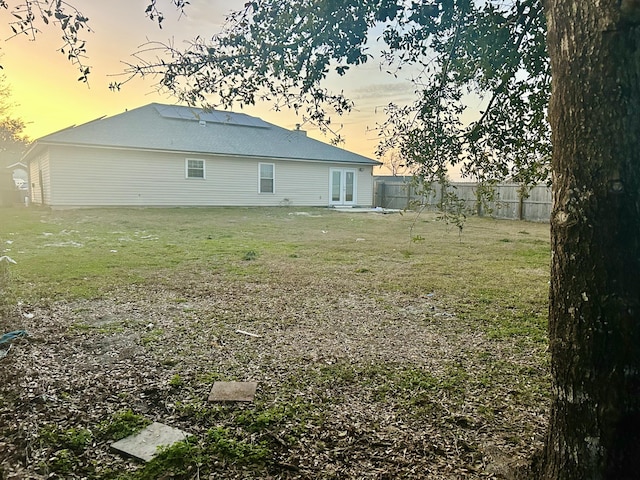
[[378, 356]]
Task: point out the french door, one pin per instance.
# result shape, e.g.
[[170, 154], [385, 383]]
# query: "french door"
[[342, 186]]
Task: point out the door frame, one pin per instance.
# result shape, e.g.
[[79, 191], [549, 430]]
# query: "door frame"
[[343, 186]]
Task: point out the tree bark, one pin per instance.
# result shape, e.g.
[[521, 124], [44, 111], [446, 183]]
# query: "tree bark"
[[594, 312]]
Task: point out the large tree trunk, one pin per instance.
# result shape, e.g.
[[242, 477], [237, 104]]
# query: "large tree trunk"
[[594, 323]]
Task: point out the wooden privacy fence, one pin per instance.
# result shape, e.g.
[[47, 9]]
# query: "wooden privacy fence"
[[508, 200]]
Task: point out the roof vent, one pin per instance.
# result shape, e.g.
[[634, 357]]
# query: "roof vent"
[[203, 123], [301, 132]]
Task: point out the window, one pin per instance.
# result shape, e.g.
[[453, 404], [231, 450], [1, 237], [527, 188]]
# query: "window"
[[194, 168], [267, 177]]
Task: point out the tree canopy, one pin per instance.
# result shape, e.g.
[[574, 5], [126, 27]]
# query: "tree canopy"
[[283, 52], [13, 140]]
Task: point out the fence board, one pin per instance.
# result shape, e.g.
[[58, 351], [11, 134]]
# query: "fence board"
[[400, 193]]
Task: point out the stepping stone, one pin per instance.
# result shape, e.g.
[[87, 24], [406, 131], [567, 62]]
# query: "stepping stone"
[[233, 391], [144, 444]]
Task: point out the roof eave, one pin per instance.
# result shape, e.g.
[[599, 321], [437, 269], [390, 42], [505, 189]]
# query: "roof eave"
[[364, 161]]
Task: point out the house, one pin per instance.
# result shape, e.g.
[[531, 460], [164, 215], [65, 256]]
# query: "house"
[[167, 155], [13, 184], [19, 174]]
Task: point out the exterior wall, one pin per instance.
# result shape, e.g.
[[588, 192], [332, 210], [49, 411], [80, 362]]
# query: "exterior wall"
[[364, 191], [112, 177], [40, 179]]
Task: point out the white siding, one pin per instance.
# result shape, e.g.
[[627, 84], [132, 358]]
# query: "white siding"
[[40, 179], [111, 177], [365, 186]]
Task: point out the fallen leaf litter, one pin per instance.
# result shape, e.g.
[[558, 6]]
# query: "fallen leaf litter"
[[311, 346]]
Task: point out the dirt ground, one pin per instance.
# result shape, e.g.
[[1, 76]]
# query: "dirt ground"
[[353, 384]]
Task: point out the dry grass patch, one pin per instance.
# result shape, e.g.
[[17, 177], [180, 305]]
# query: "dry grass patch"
[[378, 357]]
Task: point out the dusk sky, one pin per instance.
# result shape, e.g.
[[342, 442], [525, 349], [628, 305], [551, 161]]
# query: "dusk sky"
[[49, 97]]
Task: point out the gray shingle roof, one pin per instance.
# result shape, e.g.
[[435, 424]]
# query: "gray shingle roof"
[[185, 129]]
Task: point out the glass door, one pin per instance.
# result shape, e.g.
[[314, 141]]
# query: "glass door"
[[342, 186]]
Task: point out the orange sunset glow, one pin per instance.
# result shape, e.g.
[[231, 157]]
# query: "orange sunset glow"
[[49, 98]]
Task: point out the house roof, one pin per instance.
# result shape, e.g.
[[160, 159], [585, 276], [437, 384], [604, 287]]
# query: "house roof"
[[17, 165], [193, 130]]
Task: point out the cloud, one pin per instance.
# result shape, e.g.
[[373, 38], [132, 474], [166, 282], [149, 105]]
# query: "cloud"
[[396, 92]]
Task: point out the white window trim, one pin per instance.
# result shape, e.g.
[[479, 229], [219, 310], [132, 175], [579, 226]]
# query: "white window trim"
[[273, 165], [186, 169]]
